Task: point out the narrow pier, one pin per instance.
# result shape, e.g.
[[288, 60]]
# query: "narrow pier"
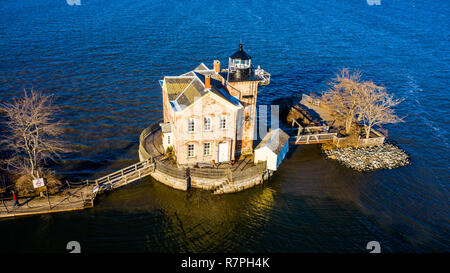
[[79, 196], [67, 200]]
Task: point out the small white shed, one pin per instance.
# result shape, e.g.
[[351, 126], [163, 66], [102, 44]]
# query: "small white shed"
[[272, 148]]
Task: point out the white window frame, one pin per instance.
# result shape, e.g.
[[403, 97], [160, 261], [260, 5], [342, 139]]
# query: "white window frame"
[[209, 148], [220, 122], [191, 120], [193, 150], [210, 123]]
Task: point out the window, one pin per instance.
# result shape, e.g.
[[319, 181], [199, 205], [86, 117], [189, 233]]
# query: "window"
[[206, 148], [191, 151], [223, 122], [168, 139], [191, 125], [207, 124]]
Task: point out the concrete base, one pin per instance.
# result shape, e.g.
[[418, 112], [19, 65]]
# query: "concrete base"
[[217, 185]]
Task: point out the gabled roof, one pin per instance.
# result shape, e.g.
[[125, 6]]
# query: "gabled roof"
[[202, 66], [274, 140], [194, 90], [183, 90], [175, 84]]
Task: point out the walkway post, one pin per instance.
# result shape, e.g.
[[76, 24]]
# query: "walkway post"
[[188, 178], [3, 201], [48, 198]]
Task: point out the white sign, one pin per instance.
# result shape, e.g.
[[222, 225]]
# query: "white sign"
[[37, 183], [95, 189]]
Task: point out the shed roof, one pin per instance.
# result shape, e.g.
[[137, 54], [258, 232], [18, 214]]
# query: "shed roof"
[[274, 140]]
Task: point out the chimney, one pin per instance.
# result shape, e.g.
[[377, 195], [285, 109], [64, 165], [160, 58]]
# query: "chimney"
[[207, 81], [217, 66]]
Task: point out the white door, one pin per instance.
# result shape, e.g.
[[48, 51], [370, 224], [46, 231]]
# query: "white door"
[[223, 152]]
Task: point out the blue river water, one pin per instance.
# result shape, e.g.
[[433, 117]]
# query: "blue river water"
[[103, 59]]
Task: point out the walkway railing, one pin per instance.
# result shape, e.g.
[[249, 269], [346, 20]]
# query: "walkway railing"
[[313, 134], [315, 138], [145, 133], [170, 170], [313, 101], [264, 75], [125, 175]]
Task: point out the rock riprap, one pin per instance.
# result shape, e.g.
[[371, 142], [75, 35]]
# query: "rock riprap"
[[386, 156]]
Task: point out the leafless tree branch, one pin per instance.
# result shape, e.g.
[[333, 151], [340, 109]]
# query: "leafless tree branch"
[[33, 137], [351, 99]]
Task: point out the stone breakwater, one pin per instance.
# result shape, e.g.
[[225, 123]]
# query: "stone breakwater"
[[386, 156]]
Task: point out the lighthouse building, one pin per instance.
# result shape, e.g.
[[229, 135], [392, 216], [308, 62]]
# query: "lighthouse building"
[[210, 114]]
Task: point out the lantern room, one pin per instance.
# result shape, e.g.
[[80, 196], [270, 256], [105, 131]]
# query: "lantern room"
[[239, 65]]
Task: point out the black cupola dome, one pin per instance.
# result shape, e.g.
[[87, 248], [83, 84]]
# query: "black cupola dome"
[[239, 65], [240, 54]]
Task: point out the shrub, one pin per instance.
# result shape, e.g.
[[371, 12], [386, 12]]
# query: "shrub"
[[23, 183]]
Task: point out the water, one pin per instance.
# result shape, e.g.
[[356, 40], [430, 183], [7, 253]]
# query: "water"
[[103, 60]]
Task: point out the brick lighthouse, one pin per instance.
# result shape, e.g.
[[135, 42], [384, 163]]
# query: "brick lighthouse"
[[242, 83]]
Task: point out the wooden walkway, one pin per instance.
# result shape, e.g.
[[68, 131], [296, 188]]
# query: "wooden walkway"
[[124, 176], [79, 197], [67, 200], [314, 134], [317, 107], [315, 138]]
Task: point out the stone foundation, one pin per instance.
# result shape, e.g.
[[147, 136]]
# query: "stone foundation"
[[219, 185], [176, 183]]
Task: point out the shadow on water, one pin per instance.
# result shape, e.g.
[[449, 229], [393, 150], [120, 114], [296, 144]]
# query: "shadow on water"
[[149, 216]]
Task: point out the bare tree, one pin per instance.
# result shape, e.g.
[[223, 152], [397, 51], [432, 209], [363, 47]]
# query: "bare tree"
[[343, 95], [349, 98], [375, 106], [33, 133]]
